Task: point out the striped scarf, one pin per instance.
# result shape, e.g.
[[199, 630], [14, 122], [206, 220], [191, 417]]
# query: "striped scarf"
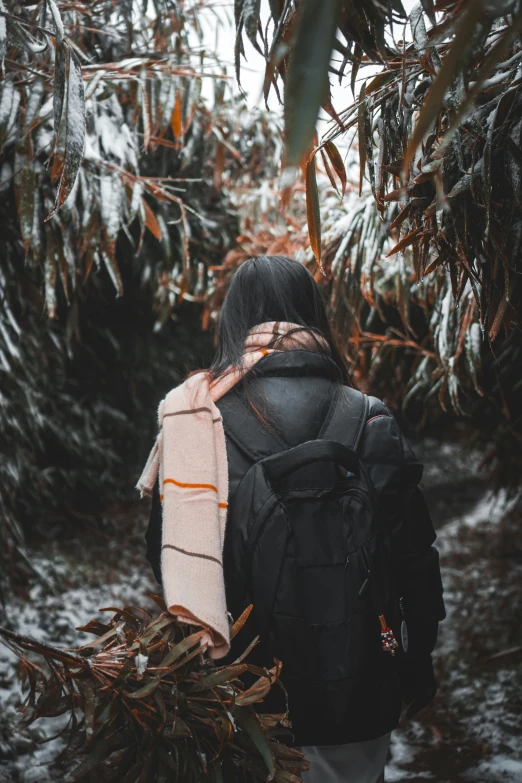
[[189, 457]]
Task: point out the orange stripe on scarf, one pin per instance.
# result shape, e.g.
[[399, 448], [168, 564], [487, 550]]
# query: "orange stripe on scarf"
[[184, 485]]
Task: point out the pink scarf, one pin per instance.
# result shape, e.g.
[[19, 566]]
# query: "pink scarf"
[[190, 459]]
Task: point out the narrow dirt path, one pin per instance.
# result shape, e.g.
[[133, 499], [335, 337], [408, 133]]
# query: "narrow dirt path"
[[472, 732]]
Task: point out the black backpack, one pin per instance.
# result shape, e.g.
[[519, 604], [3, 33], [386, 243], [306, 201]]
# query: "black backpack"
[[309, 551]]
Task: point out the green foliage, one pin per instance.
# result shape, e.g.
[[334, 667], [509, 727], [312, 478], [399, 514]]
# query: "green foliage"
[[303, 39], [140, 214], [461, 78], [459, 203], [153, 706], [143, 70], [306, 83], [424, 275]]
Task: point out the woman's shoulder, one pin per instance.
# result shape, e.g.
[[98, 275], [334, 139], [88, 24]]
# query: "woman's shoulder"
[[383, 440], [377, 408]]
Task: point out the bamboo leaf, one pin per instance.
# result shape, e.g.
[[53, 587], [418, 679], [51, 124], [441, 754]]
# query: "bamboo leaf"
[[90, 763], [379, 81], [357, 57], [257, 691], [238, 49], [219, 165], [429, 9], [159, 701], [361, 131], [50, 285], [329, 108], [159, 601], [192, 103], [145, 109], [493, 57], [515, 151], [194, 640], [25, 188], [167, 99], [153, 629], [450, 66], [123, 675], [240, 622], [89, 705], [111, 202], [401, 217], [33, 105], [196, 652], [9, 101], [60, 69], [312, 209], [249, 723], [114, 272], [145, 690], [418, 29], [283, 776], [473, 345], [251, 20], [337, 162], [74, 110], [275, 9], [151, 221], [101, 639], [437, 261], [175, 120], [461, 186], [220, 677], [500, 314], [307, 80], [3, 35], [405, 242], [180, 728], [329, 172], [57, 20]]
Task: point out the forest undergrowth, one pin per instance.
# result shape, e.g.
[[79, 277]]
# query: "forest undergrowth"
[[470, 733]]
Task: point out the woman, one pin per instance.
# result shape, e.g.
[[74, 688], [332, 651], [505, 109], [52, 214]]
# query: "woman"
[[273, 379]]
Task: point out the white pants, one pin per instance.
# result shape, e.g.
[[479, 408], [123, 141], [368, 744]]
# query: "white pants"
[[356, 762]]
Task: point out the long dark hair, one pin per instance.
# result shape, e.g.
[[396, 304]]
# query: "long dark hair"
[[271, 288]]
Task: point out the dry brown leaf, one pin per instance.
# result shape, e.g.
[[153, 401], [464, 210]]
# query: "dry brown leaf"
[[151, 221]]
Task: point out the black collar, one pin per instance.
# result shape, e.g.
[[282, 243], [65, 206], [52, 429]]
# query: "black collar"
[[297, 363]]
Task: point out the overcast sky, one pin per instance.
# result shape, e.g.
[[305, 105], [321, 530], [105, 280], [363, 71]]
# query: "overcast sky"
[[220, 28]]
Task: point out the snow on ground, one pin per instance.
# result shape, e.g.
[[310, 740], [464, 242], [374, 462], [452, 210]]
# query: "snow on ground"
[[473, 730], [78, 583]]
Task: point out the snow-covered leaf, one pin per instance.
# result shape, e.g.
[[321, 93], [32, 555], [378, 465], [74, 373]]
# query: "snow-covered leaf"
[[33, 104], [74, 125], [50, 283], [25, 187], [9, 101], [3, 34]]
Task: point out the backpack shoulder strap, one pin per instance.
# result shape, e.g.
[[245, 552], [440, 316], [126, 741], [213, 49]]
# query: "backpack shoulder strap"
[[346, 417]]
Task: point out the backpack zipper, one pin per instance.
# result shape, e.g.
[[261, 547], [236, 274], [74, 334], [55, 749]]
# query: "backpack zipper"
[[404, 627], [366, 564]]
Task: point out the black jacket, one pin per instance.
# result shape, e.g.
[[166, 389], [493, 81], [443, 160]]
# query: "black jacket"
[[293, 390]]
